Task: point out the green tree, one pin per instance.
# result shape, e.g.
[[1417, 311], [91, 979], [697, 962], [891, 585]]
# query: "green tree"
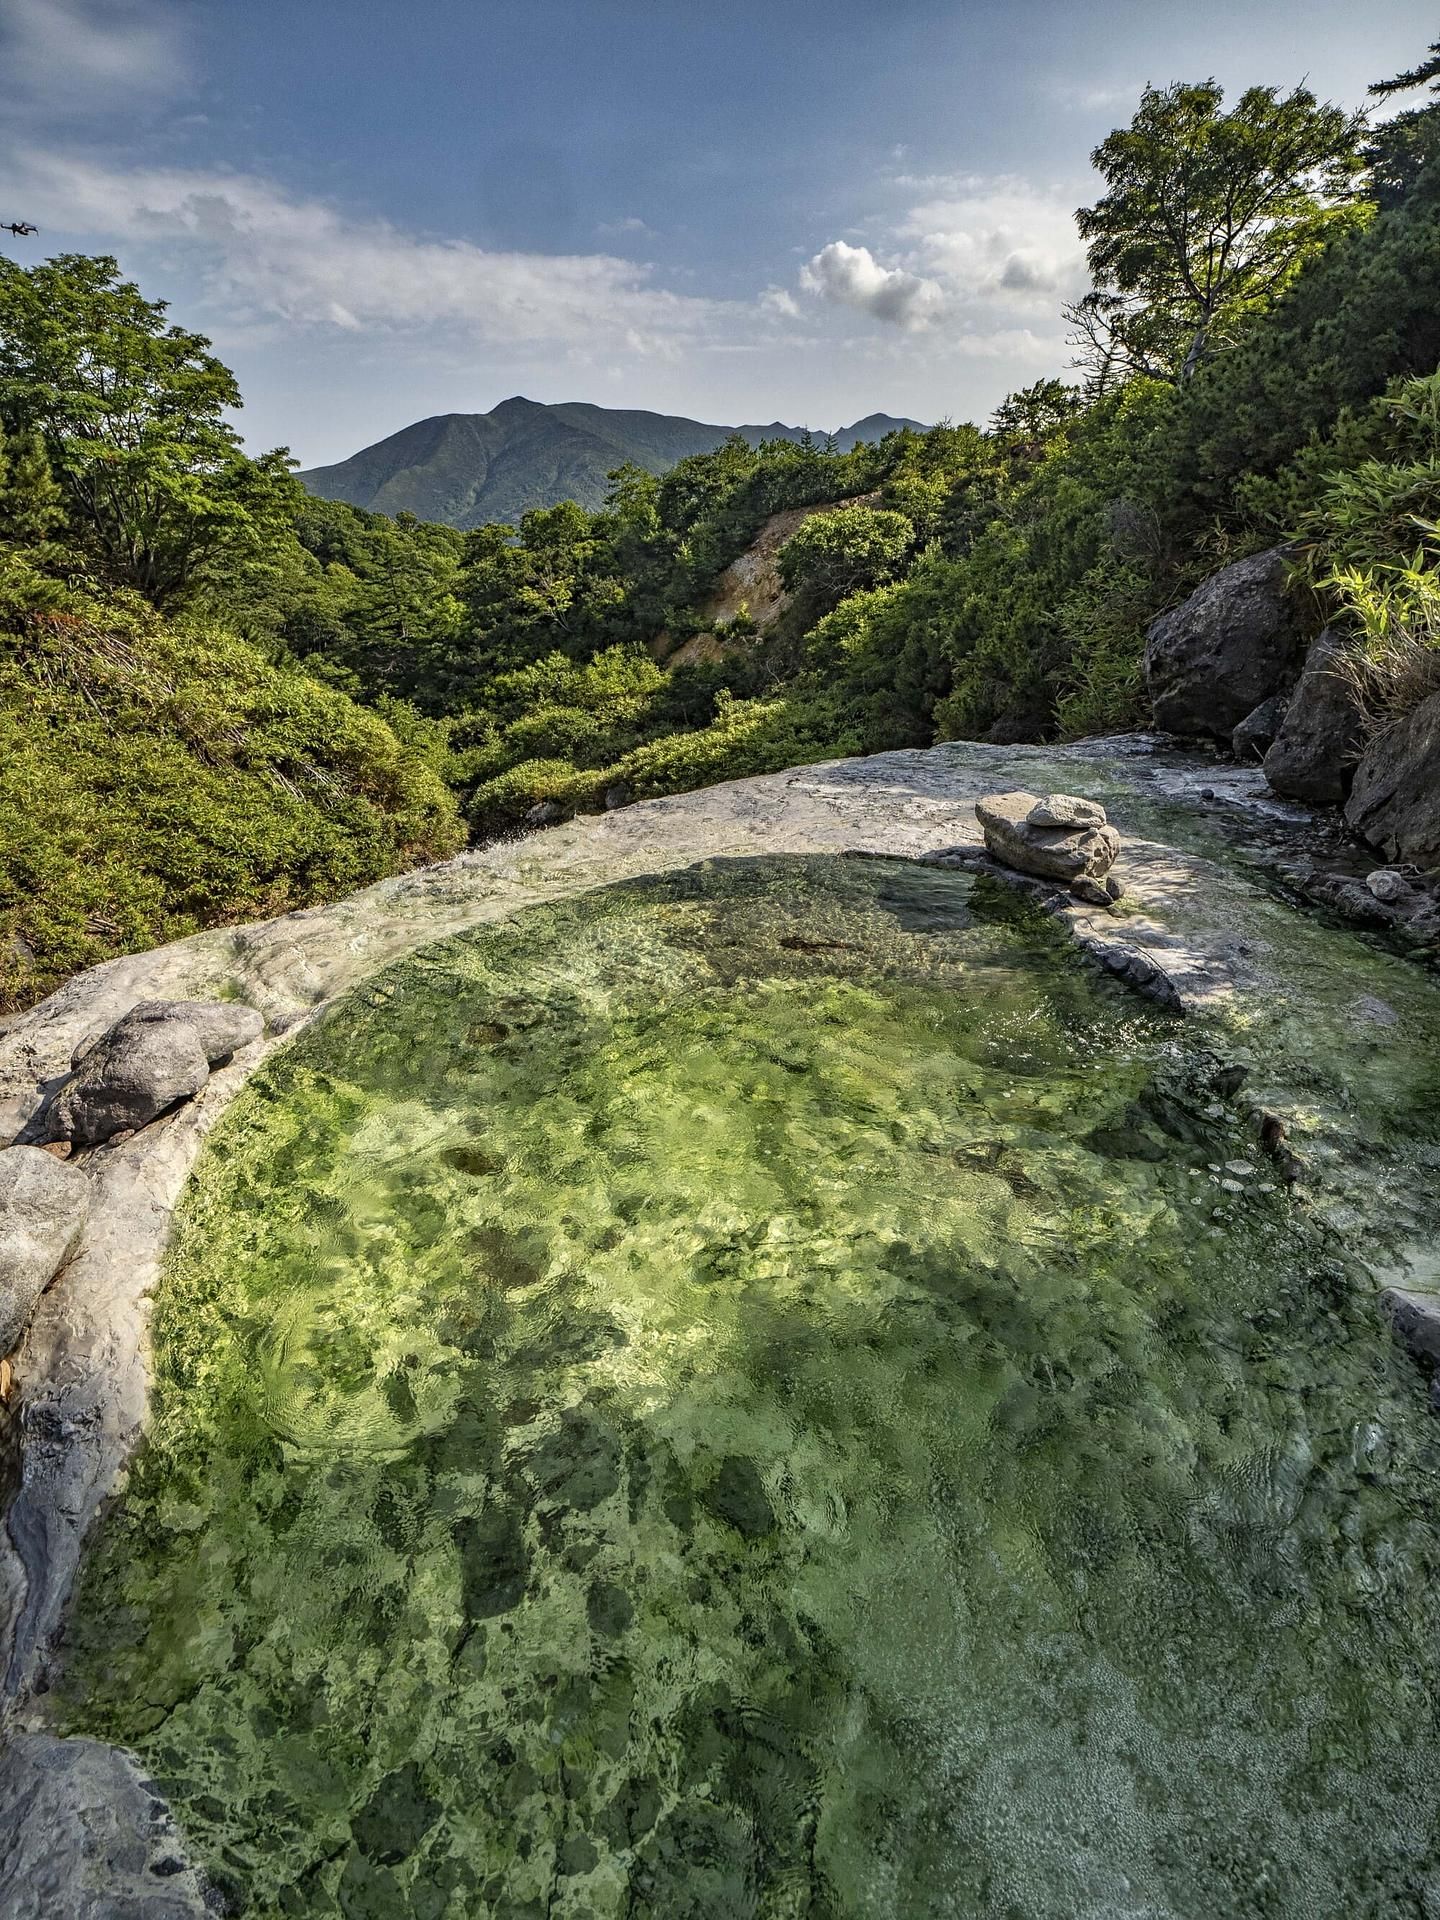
[[132, 416], [1402, 151], [1208, 217], [838, 553]]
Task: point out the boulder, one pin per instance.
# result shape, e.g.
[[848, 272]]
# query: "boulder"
[[1395, 799], [1314, 752], [1064, 853], [545, 813], [1388, 885], [158, 1055], [1254, 736], [1236, 641], [43, 1205]]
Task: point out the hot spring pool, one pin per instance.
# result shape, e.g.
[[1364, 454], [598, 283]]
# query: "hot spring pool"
[[750, 1394]]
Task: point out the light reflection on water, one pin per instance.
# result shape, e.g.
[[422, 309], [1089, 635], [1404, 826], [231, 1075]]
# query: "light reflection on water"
[[744, 1396]]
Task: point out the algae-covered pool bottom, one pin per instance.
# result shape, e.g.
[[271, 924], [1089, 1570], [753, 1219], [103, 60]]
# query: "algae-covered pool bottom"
[[742, 1395]]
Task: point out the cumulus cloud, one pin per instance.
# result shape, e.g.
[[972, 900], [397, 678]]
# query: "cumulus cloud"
[[84, 54], [265, 254], [1000, 239], [853, 277]]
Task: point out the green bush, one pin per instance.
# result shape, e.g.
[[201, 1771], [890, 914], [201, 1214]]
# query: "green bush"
[[155, 780]]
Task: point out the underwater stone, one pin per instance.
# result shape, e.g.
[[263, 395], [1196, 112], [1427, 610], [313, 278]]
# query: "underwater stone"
[[43, 1207]]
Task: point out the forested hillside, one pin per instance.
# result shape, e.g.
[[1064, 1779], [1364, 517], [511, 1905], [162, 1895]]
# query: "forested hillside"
[[224, 696]]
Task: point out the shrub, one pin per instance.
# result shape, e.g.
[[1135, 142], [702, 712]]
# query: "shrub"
[[156, 780]]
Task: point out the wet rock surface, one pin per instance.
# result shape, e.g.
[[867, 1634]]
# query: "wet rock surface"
[[43, 1208], [84, 1836], [1232, 645]]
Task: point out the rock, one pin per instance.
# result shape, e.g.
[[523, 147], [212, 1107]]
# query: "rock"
[[1387, 885], [545, 813], [86, 1837], [1416, 1320], [1252, 739], [128, 1079], [43, 1205], [1395, 800], [1095, 893], [617, 796], [159, 1054], [1053, 853], [1235, 642], [1314, 752], [1065, 810]]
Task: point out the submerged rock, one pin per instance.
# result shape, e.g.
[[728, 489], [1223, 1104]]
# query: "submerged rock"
[[1313, 754], [1023, 831], [1232, 645], [43, 1207], [157, 1056], [1395, 801]]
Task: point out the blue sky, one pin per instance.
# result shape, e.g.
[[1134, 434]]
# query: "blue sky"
[[802, 209]]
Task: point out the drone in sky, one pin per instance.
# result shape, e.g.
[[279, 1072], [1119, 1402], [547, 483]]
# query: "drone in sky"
[[18, 227]]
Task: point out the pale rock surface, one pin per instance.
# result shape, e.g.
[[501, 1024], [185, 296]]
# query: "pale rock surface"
[[43, 1207], [1066, 810]]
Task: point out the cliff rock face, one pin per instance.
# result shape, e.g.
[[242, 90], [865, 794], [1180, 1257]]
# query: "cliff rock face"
[[1233, 644], [1313, 755], [1395, 801]]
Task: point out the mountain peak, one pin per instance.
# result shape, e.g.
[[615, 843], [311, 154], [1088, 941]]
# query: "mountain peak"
[[472, 469]]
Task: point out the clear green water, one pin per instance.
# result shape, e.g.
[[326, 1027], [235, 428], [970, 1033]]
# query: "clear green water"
[[741, 1396]]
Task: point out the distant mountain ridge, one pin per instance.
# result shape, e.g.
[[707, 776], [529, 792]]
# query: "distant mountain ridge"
[[467, 469]]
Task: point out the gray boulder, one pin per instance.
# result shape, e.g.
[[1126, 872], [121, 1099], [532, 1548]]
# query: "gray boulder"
[[1314, 752], [1064, 853], [1395, 800], [1236, 641], [86, 1837], [158, 1055], [43, 1205], [1253, 738]]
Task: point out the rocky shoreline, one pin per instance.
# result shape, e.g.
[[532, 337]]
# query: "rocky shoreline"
[[80, 1382]]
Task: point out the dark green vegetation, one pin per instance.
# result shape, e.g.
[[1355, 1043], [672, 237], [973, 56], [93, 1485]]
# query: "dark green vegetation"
[[467, 469], [1259, 357], [740, 1396]]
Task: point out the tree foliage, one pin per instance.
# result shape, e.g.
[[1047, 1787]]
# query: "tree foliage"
[[1207, 218]]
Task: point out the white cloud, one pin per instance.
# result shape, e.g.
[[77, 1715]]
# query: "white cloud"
[[853, 277], [264, 254], [63, 55], [997, 239], [782, 304]]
